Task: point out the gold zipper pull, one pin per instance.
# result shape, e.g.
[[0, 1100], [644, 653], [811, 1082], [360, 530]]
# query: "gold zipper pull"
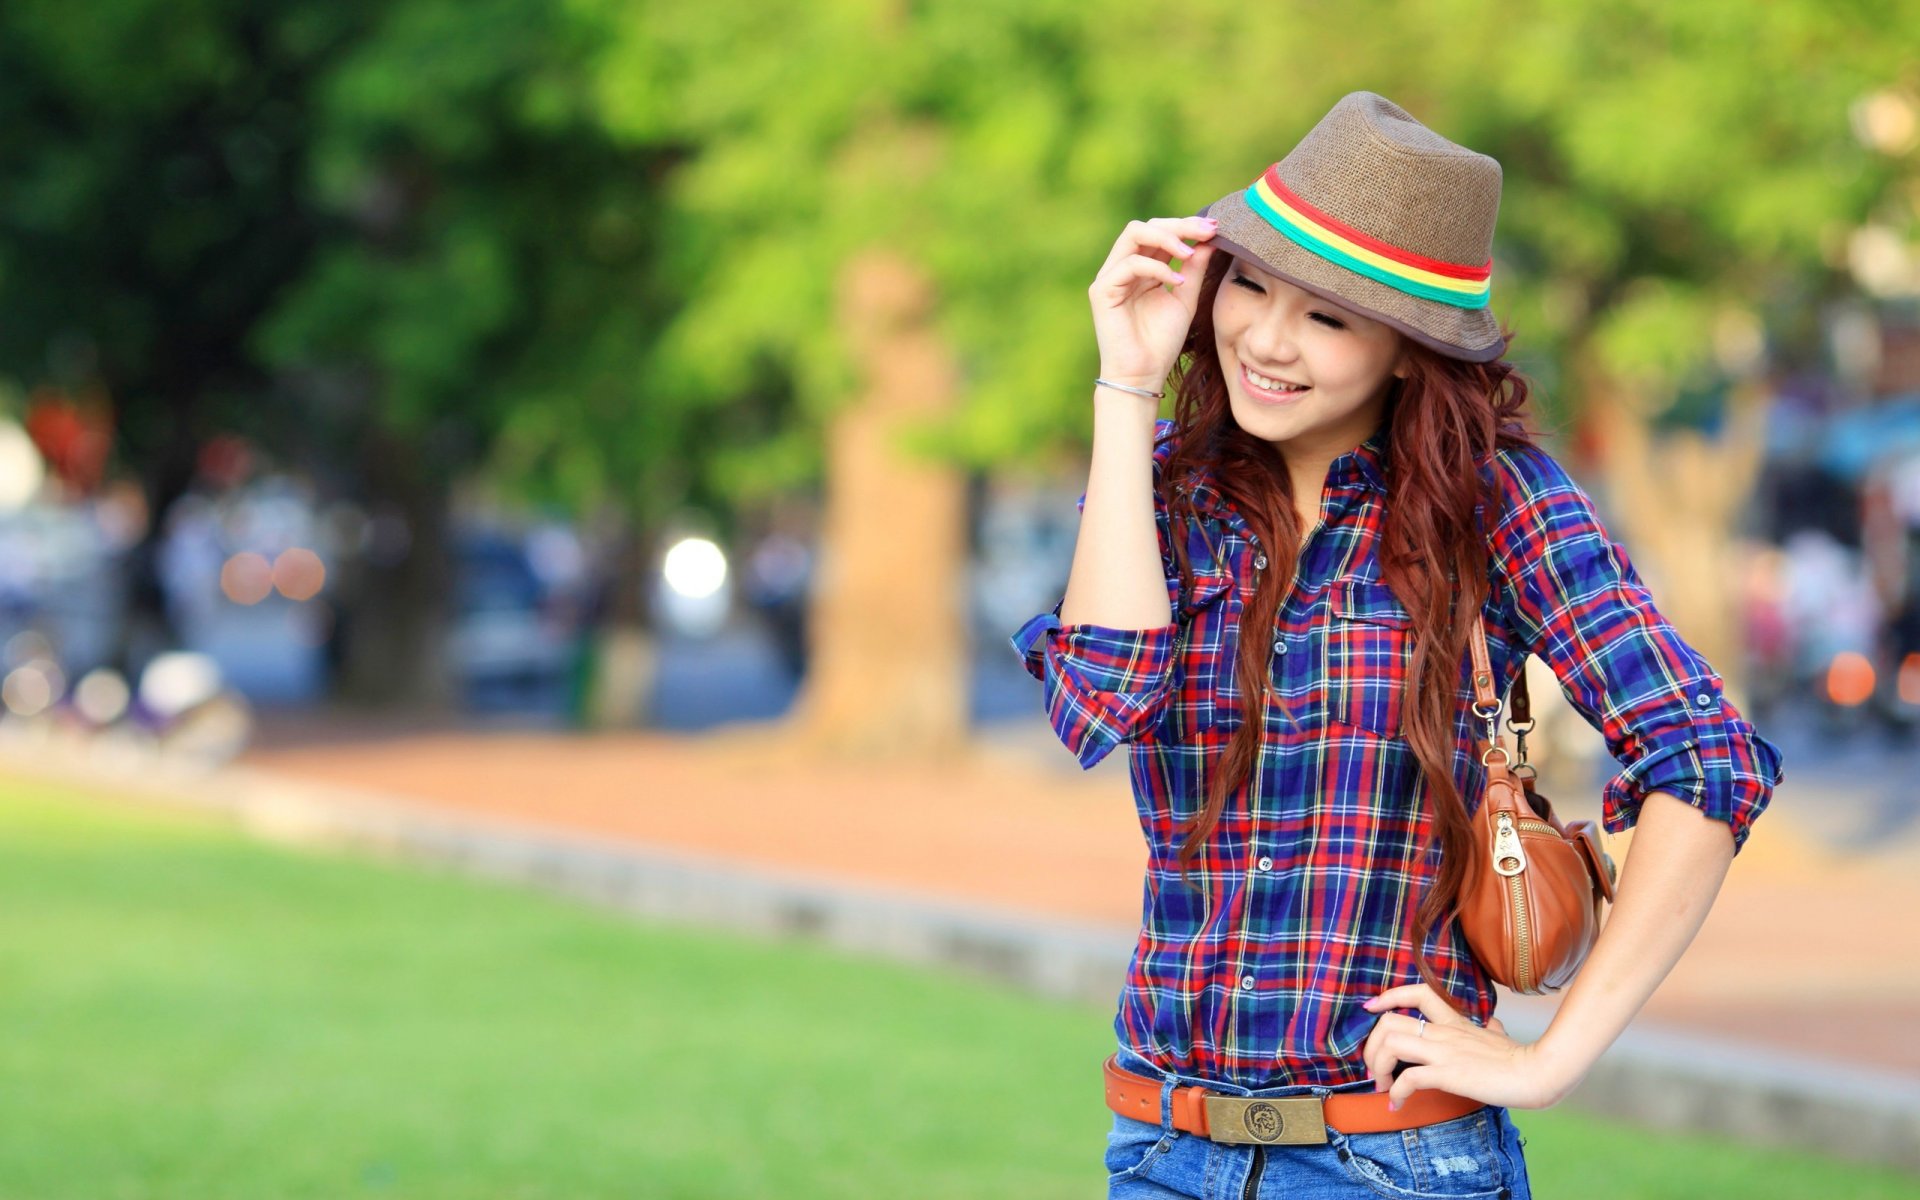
[[1508, 857]]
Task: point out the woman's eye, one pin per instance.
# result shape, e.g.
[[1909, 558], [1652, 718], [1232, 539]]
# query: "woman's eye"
[[1323, 318]]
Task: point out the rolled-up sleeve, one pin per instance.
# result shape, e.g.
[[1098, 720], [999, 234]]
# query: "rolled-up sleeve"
[[1100, 686], [1570, 594], [1103, 686]]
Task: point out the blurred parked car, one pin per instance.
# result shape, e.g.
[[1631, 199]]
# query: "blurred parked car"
[[510, 637]]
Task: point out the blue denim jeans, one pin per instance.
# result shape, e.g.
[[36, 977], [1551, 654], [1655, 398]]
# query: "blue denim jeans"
[[1475, 1155]]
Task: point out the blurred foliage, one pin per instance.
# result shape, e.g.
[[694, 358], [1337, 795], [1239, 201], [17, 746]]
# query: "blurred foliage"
[[493, 274], [1669, 170], [594, 245], [303, 221], [152, 201]]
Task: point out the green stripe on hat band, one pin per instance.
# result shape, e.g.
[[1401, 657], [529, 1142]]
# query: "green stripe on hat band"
[[1333, 254]]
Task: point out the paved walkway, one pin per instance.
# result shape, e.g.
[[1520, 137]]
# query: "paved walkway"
[[1809, 951]]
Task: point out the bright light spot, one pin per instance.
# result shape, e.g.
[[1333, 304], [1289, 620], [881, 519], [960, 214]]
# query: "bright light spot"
[[695, 567], [1850, 679], [1885, 121], [299, 574], [1881, 261], [101, 695], [27, 645], [1910, 679], [21, 468], [1739, 341], [177, 680], [246, 578], [27, 690]]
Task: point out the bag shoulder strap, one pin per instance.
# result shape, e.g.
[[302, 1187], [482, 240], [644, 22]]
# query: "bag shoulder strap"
[[1518, 701], [1520, 704], [1483, 694]]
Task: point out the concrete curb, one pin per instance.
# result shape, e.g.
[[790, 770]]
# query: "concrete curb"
[[1659, 1077]]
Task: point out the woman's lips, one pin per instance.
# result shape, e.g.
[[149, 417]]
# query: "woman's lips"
[[1268, 397]]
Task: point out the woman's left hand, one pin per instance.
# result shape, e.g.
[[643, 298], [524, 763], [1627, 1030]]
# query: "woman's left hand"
[[1455, 1055]]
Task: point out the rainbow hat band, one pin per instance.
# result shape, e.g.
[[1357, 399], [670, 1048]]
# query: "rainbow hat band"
[[1337, 241], [1385, 218]]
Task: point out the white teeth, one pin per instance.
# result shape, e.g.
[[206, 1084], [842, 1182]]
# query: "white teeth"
[[1274, 385]]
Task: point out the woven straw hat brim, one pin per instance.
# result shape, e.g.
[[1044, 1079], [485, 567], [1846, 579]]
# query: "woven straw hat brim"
[[1471, 334]]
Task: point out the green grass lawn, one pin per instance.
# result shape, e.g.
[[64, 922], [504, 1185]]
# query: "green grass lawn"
[[187, 1013]]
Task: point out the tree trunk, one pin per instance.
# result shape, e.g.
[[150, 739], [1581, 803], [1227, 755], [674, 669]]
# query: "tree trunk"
[[887, 648], [1678, 499], [395, 652], [1673, 501], [147, 629]]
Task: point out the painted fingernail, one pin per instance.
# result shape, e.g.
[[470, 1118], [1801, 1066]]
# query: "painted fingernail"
[[1179, 278]]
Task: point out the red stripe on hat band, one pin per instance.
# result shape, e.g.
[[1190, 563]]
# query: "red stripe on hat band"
[[1437, 266]]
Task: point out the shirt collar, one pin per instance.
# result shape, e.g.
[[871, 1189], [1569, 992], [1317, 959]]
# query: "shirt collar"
[[1364, 466]]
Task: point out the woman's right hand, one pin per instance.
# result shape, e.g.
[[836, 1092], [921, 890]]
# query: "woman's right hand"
[[1142, 309]]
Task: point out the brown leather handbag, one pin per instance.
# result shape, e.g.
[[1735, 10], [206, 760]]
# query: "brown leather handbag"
[[1531, 907]]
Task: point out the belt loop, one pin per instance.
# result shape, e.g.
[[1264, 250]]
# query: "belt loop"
[[1339, 1141], [1166, 1102]]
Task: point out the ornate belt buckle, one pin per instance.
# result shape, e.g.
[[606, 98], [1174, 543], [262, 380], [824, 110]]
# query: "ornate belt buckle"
[[1269, 1121]]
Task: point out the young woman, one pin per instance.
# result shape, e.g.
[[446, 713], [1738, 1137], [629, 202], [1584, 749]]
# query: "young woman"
[[1270, 599]]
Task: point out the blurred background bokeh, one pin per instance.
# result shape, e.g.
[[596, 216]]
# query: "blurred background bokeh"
[[656, 367]]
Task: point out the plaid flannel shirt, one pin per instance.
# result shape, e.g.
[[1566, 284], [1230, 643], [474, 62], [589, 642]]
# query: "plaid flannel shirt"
[[1308, 885]]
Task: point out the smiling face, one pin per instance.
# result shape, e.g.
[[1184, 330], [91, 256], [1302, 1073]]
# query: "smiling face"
[[1270, 333]]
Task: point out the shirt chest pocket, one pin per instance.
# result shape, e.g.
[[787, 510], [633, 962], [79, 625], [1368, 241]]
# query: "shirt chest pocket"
[[1206, 696], [1369, 640]]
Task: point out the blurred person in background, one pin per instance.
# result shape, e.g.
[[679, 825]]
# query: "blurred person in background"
[[778, 578], [1270, 599], [1890, 529]]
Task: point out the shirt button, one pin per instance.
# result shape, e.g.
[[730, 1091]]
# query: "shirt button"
[[1279, 647], [1266, 863], [1246, 985], [1259, 562], [1704, 700]]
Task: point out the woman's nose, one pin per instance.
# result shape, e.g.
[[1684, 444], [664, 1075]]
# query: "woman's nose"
[[1271, 341]]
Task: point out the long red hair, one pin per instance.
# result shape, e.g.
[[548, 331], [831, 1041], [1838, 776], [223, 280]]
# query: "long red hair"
[[1445, 419]]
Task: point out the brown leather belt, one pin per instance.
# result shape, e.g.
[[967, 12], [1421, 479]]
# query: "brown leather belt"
[[1276, 1120]]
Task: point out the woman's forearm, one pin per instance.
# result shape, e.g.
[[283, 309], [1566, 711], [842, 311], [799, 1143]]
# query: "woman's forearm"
[[1673, 871], [1117, 578]]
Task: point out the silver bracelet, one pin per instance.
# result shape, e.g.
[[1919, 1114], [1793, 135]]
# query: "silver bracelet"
[[1121, 387]]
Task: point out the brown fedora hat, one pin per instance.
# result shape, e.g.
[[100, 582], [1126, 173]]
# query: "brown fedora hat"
[[1376, 212]]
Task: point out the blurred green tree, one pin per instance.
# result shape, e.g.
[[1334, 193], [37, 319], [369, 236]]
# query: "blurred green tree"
[[1682, 184], [380, 239], [634, 257], [900, 207], [487, 306], [1678, 180], [150, 208]]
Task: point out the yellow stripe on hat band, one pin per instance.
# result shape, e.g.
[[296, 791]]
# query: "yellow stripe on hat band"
[[1330, 244]]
